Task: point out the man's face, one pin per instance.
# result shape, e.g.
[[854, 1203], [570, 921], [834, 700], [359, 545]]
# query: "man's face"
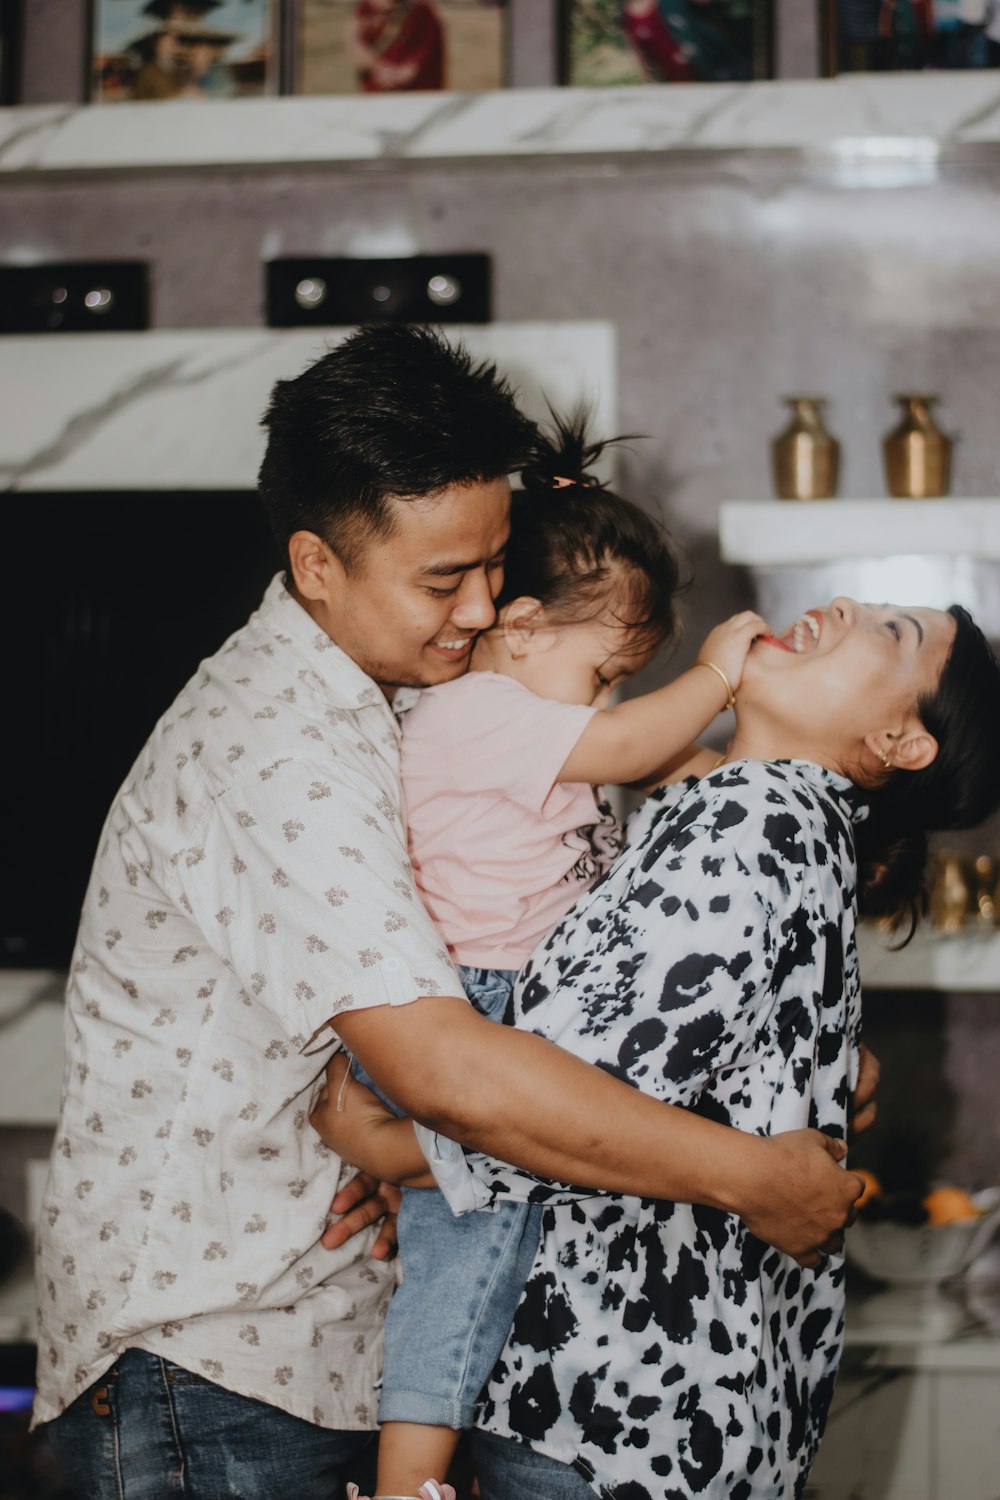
[[411, 605]]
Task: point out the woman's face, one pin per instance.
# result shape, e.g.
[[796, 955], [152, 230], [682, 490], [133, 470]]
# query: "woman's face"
[[849, 675]]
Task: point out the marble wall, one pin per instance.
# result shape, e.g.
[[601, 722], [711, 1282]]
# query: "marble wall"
[[731, 281]]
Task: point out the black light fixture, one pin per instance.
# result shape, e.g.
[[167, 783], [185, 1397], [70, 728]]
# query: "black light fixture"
[[75, 297], [412, 289]]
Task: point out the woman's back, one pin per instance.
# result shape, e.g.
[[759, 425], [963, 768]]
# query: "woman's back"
[[714, 967]]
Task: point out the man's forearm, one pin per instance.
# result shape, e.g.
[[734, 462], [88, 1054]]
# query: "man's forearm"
[[518, 1097], [526, 1101]]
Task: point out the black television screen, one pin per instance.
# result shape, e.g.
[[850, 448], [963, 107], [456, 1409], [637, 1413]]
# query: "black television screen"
[[109, 604]]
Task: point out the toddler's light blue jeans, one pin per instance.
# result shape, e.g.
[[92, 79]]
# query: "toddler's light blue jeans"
[[462, 1280]]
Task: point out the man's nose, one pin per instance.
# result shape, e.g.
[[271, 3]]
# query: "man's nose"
[[474, 607]]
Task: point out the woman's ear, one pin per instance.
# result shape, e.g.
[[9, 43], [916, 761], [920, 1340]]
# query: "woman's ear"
[[911, 749], [524, 626]]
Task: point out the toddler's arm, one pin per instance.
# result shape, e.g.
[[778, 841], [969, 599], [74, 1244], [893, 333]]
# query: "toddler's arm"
[[357, 1125], [640, 738]]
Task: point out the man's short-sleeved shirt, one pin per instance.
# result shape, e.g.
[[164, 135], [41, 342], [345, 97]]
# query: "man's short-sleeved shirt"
[[251, 882]]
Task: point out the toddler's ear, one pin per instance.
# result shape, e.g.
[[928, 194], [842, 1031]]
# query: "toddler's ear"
[[524, 625]]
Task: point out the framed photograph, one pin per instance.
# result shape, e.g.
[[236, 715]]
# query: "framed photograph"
[[609, 42], [183, 49], [907, 36], [396, 46], [10, 50]]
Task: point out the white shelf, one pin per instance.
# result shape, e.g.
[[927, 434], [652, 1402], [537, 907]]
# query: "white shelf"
[[966, 960], [788, 533], [854, 122], [180, 409]]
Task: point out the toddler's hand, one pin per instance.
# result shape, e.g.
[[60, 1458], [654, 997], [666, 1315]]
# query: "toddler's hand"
[[727, 645]]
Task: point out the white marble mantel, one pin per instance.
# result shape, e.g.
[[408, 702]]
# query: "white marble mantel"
[[170, 410], [907, 115]]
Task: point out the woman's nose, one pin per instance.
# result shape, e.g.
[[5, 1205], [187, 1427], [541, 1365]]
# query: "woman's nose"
[[474, 607], [844, 609]]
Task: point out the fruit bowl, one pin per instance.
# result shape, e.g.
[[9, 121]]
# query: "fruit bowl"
[[923, 1254]]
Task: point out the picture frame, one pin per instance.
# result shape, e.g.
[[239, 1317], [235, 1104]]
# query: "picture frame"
[[11, 15], [909, 36], [164, 50], [608, 43], [400, 46]]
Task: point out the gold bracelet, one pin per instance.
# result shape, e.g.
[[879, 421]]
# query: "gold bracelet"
[[730, 697]]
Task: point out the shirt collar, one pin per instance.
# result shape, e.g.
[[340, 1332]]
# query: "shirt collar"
[[347, 685], [851, 799]]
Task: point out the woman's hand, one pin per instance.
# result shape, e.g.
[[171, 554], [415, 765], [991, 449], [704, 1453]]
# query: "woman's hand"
[[362, 1202], [727, 645], [863, 1101]]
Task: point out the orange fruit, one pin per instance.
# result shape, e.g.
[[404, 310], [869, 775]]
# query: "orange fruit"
[[872, 1187], [946, 1204]]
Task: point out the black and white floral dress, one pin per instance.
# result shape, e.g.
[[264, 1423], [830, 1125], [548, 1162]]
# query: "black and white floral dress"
[[661, 1349]]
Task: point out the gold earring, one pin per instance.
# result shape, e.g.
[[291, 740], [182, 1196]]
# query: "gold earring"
[[885, 759]]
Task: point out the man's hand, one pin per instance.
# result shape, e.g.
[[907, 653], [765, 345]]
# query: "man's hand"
[[801, 1200], [863, 1102], [362, 1202]]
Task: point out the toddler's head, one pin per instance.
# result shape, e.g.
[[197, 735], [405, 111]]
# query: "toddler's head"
[[590, 580]]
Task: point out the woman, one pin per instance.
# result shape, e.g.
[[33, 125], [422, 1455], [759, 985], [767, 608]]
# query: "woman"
[[659, 1350]]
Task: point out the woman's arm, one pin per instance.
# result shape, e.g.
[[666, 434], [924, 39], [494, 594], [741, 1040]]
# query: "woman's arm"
[[635, 739]]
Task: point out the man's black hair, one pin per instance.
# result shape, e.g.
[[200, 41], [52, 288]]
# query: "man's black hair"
[[393, 411]]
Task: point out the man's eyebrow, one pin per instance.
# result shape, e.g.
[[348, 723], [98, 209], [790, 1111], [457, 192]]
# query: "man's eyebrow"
[[450, 569], [917, 627]]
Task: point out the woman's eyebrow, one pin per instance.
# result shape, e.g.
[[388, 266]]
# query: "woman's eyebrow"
[[917, 627]]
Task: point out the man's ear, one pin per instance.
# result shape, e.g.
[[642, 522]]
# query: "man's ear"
[[911, 749], [524, 626], [315, 568]]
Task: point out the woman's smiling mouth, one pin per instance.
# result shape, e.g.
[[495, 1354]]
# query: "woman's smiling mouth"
[[802, 637]]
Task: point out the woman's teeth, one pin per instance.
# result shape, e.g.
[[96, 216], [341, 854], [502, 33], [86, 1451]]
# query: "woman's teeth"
[[804, 633]]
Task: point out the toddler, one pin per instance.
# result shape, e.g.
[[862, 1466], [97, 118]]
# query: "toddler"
[[501, 770]]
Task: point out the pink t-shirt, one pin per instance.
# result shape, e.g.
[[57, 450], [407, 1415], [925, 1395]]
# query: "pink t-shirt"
[[500, 849]]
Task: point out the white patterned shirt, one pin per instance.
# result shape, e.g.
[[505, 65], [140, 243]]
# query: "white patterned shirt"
[[251, 881]]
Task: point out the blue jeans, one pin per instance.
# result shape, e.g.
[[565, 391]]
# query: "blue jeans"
[[462, 1280], [509, 1471], [148, 1429]]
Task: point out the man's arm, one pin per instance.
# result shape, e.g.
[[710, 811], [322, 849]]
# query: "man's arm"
[[520, 1098]]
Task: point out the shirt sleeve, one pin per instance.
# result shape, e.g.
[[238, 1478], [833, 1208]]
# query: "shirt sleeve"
[[302, 885], [670, 976], [493, 735]]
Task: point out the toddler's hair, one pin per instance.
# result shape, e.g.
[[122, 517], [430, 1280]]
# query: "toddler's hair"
[[583, 551]]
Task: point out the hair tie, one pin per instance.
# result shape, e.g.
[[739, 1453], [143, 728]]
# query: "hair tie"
[[582, 482]]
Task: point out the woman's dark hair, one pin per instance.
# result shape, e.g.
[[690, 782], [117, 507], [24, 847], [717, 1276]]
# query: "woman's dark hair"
[[393, 411], [959, 789], [581, 550]]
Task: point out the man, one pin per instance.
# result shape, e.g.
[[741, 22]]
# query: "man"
[[251, 902]]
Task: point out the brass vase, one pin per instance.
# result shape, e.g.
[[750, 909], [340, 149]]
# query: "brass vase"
[[951, 896], [917, 452], [805, 458]]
